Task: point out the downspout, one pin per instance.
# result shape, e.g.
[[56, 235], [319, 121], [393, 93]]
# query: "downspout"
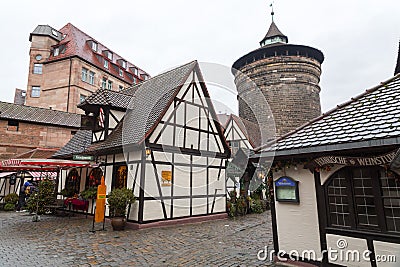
[[69, 82]]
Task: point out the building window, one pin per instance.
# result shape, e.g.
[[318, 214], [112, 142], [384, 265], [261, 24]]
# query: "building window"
[[13, 125], [123, 64], [73, 182], [235, 145], [109, 55], [121, 88], [82, 98], [106, 64], [56, 51], [121, 73], [84, 74], [364, 199], [104, 83], [94, 46], [120, 177], [35, 91], [135, 71], [91, 77], [134, 80], [37, 68], [109, 85], [94, 178]]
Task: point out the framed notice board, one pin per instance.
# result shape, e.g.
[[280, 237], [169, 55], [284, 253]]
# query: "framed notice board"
[[287, 190]]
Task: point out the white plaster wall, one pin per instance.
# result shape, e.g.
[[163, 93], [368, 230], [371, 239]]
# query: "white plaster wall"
[[345, 256], [181, 207], [298, 223], [152, 210], [384, 249], [199, 206]]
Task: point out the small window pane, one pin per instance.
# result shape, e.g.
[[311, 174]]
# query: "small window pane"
[[104, 83], [106, 64], [91, 77], [84, 74], [35, 91], [109, 85], [37, 68]]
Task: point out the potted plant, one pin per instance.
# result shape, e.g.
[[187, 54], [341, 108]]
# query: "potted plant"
[[118, 201]]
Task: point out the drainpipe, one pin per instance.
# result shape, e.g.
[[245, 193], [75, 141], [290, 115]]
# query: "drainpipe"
[[69, 82]]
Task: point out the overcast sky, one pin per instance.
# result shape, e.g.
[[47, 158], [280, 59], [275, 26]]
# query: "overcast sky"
[[359, 38]]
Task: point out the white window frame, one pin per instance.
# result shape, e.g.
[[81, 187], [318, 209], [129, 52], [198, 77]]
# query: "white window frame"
[[109, 85], [104, 83], [110, 55], [94, 46], [84, 74], [35, 91], [106, 64], [91, 77], [37, 68], [121, 73], [56, 51]]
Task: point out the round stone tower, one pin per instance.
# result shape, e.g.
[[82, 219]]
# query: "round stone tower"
[[287, 76]]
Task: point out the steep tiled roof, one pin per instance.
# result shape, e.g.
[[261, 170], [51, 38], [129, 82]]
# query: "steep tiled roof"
[[78, 143], [250, 129], [107, 97], [39, 115], [148, 103], [273, 31], [76, 44], [373, 115]]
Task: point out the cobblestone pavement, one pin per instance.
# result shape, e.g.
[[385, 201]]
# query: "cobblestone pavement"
[[64, 241]]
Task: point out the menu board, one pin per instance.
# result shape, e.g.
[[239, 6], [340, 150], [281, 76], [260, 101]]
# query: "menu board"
[[287, 190]]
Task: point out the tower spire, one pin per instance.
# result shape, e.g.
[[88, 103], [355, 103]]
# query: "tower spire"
[[272, 10]]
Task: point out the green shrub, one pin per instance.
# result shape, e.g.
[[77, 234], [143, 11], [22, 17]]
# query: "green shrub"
[[11, 198], [256, 206], [241, 206], [9, 207], [90, 193]]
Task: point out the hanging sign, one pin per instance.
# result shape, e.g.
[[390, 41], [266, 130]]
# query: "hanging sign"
[[287, 190], [83, 157], [100, 201]]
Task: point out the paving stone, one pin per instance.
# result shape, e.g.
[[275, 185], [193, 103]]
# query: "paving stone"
[[58, 241]]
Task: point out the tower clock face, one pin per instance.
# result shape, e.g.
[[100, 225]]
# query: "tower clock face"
[[38, 57]]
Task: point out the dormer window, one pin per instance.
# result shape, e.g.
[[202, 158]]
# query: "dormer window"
[[135, 71], [94, 46], [108, 54], [56, 51], [144, 76], [54, 32], [121, 73], [122, 63], [106, 64]]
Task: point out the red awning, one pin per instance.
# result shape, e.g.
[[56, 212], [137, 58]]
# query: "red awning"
[[42, 164], [43, 175]]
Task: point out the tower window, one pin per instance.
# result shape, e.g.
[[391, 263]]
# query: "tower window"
[[37, 68], [35, 91]]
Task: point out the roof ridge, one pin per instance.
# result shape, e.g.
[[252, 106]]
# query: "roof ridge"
[[329, 112], [41, 108]]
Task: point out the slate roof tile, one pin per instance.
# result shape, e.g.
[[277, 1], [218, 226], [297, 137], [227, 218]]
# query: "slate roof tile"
[[39, 115], [78, 144]]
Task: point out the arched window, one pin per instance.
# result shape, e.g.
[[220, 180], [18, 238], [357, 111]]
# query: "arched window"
[[73, 181], [120, 176], [364, 198], [94, 177]]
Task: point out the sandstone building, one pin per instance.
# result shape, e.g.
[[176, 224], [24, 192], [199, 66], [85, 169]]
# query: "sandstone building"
[[24, 128], [287, 76], [67, 65]]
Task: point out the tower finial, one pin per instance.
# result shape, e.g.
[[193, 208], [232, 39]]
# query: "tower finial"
[[272, 10]]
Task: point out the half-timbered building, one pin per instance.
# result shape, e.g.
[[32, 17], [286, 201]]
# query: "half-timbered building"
[[335, 192], [162, 139]]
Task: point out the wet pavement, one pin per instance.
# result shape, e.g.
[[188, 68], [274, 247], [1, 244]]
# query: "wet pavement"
[[67, 241]]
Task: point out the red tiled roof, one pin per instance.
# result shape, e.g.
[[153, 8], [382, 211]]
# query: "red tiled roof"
[[76, 44]]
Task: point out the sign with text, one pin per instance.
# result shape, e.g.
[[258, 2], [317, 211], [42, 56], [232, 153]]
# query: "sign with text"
[[355, 161], [287, 190], [166, 177], [83, 157]]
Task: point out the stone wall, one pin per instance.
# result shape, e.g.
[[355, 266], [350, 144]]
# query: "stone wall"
[[290, 86], [26, 136]]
